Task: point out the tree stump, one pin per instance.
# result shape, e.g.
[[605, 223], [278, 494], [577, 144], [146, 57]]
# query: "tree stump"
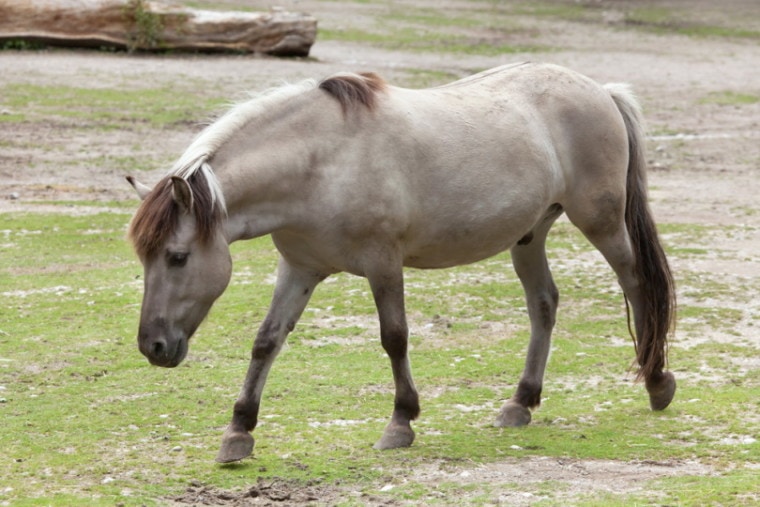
[[155, 26]]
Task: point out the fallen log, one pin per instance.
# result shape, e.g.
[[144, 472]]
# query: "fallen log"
[[145, 25]]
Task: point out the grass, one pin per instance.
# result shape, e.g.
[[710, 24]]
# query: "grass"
[[87, 419], [481, 29], [692, 23], [730, 98], [104, 108], [411, 39]]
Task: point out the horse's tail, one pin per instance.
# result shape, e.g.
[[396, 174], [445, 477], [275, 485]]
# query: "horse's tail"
[[652, 271]]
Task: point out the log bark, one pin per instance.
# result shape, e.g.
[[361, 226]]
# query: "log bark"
[[155, 26]]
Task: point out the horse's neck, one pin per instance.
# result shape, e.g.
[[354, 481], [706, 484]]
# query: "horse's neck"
[[266, 170], [256, 204]]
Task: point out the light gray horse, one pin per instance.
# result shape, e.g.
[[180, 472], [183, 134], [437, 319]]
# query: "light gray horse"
[[353, 174]]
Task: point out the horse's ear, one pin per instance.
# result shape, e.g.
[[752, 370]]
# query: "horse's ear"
[[142, 190], [182, 193]]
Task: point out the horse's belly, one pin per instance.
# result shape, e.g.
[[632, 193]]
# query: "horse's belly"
[[458, 248]]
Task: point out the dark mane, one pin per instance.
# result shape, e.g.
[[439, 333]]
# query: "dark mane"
[[158, 215], [354, 89]]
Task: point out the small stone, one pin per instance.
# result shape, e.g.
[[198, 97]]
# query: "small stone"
[[14, 196], [177, 448]]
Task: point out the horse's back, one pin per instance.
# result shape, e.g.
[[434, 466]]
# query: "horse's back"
[[457, 173], [480, 161]]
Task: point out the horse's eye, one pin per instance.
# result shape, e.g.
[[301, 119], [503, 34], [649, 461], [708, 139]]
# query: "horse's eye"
[[177, 259]]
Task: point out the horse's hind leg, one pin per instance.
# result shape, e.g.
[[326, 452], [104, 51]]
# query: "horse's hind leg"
[[615, 245], [388, 291], [529, 260], [292, 292]]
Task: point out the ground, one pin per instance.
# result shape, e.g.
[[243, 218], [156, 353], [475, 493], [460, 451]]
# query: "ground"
[[699, 93]]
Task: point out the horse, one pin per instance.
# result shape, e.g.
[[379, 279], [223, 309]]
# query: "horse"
[[352, 174]]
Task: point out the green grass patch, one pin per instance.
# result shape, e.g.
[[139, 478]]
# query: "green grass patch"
[[104, 107], [411, 39], [480, 30], [672, 20], [86, 419], [730, 98], [556, 10], [423, 78]]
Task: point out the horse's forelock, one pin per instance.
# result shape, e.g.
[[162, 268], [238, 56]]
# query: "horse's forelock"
[[208, 203], [158, 215], [156, 219]]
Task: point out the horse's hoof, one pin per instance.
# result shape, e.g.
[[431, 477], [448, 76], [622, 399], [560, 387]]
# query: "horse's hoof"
[[512, 415], [235, 446], [661, 391], [394, 437]]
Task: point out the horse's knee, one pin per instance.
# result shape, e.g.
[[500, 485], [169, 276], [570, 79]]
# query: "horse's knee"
[[544, 308], [263, 347], [395, 342], [548, 305], [267, 340]]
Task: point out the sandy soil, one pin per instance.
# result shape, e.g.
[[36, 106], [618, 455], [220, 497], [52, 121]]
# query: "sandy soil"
[[704, 160]]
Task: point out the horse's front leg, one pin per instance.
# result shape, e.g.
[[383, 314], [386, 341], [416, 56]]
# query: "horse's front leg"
[[292, 292], [388, 291]]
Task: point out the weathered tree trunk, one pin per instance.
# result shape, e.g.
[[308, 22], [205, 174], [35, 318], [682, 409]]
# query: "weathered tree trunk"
[[155, 26]]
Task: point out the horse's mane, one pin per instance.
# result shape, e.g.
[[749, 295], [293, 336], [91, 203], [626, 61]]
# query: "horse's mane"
[[354, 89], [158, 215]]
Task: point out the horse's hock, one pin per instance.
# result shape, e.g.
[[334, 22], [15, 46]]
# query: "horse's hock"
[[155, 26]]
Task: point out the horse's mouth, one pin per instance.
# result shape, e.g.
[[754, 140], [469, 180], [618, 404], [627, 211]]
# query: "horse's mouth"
[[171, 358]]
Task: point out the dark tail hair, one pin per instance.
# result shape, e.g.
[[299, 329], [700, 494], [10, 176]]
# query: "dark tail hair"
[[652, 269]]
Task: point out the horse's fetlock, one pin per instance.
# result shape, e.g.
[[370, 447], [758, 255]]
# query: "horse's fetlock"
[[528, 393], [245, 415], [407, 409]]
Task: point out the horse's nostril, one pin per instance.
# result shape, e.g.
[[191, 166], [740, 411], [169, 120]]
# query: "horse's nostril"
[[159, 348]]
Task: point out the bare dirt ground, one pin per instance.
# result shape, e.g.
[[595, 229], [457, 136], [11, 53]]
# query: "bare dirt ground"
[[601, 476], [704, 157]]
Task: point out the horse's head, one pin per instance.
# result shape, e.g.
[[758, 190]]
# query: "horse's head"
[[186, 261]]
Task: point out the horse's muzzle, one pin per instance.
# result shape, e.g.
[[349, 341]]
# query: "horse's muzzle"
[[161, 353], [161, 350]]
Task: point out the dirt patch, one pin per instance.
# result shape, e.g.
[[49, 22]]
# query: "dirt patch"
[[513, 482], [571, 477], [275, 492]]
